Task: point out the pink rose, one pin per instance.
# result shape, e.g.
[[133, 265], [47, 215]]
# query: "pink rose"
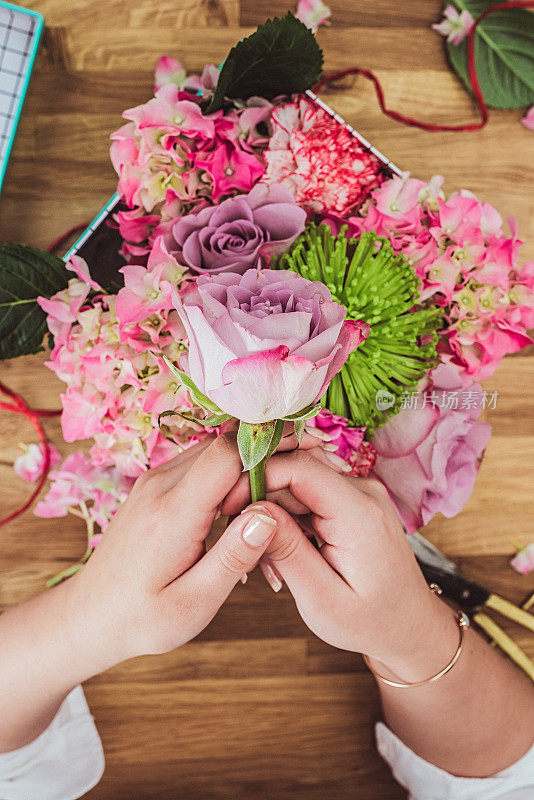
[[236, 234], [428, 455], [266, 344]]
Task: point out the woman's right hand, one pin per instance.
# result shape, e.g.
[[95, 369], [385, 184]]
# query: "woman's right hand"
[[363, 590]]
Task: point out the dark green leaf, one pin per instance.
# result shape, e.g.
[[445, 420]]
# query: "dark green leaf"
[[281, 57], [26, 273], [253, 442], [504, 55]]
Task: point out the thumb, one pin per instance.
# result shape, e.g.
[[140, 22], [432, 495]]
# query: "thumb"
[[238, 551]]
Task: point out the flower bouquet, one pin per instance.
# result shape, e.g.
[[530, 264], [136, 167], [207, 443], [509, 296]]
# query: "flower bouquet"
[[276, 270]]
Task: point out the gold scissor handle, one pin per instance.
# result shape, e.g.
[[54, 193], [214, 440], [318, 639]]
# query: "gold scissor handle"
[[505, 642], [510, 611]]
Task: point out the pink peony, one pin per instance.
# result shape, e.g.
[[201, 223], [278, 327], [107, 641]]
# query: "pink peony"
[[240, 232], [313, 13], [29, 466], [317, 159], [455, 26], [428, 455], [266, 344]]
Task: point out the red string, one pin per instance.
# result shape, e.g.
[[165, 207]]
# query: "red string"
[[473, 78], [64, 236]]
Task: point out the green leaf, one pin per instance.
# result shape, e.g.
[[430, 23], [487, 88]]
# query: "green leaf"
[[281, 57], [196, 395], [504, 55], [253, 442], [25, 274]]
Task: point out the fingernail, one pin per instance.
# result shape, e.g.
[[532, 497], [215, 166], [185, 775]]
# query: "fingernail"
[[244, 578], [256, 507], [271, 576], [338, 462], [330, 448], [259, 530], [319, 434], [217, 515]]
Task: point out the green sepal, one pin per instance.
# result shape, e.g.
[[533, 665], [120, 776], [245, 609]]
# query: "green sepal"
[[196, 395], [277, 437], [310, 411], [299, 429], [213, 421], [253, 441]]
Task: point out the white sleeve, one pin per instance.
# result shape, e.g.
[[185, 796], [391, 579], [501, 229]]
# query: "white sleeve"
[[63, 763], [425, 781]]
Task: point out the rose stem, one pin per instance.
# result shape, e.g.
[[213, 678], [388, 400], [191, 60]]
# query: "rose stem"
[[257, 482]]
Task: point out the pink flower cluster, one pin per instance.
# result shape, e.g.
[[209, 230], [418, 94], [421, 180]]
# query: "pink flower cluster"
[[170, 157], [85, 489], [317, 159], [467, 264], [108, 349]]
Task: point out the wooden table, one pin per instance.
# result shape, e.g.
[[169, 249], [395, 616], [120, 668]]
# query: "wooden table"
[[256, 706]]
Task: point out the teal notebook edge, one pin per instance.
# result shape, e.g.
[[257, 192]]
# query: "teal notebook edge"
[[39, 25]]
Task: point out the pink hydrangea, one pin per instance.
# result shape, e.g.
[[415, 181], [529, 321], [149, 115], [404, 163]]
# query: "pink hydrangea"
[[170, 156], [29, 466], [523, 561], [313, 13], [317, 159], [109, 351], [467, 265], [455, 25], [80, 486]]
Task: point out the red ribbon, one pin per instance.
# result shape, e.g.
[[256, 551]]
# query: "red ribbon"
[[473, 77]]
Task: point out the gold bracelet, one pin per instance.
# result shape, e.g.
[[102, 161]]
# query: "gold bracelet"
[[463, 623]]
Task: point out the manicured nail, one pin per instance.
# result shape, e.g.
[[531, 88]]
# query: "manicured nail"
[[244, 578], [271, 576], [259, 530], [318, 433], [256, 507], [338, 462], [330, 448]]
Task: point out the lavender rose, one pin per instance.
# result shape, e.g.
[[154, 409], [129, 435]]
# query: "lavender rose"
[[428, 455], [236, 234], [266, 344]]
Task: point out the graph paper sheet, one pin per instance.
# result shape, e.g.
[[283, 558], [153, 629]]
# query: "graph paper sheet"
[[20, 31]]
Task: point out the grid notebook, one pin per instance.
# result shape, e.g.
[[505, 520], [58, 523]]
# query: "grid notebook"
[[20, 31]]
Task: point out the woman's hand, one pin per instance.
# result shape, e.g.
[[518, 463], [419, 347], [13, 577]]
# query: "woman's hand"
[[362, 591], [148, 588], [151, 580]]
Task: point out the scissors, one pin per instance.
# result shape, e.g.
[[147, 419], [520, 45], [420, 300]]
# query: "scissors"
[[445, 578]]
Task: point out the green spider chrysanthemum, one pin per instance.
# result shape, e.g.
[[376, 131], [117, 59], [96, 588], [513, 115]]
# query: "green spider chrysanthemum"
[[375, 285]]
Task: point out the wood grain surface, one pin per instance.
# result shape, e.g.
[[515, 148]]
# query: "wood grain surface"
[[256, 706]]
